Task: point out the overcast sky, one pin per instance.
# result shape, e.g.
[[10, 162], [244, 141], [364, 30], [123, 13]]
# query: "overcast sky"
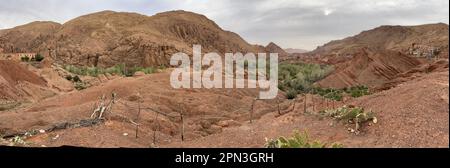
[[290, 23]]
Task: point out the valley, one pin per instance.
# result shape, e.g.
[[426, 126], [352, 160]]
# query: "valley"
[[104, 82]]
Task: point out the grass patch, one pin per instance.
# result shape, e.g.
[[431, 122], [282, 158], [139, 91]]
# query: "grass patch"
[[299, 140]]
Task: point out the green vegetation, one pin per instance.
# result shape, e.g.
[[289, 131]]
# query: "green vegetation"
[[329, 93], [119, 69], [355, 115], [18, 140], [300, 76], [79, 84], [25, 59], [38, 58], [337, 94], [291, 94], [357, 91], [298, 79], [298, 141]]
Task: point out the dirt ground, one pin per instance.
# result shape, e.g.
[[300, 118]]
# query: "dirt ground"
[[412, 114]]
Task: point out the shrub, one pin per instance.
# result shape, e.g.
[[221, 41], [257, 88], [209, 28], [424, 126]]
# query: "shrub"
[[38, 57], [291, 94], [25, 59], [18, 140], [298, 141], [69, 77], [337, 94], [80, 85], [329, 93], [76, 79], [358, 91]]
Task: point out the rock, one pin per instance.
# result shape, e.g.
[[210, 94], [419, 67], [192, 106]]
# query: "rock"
[[374, 120], [56, 137], [138, 74], [125, 134], [102, 78], [41, 131], [205, 124], [228, 123]]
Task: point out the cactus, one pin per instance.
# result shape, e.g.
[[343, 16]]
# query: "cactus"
[[298, 141], [355, 115]]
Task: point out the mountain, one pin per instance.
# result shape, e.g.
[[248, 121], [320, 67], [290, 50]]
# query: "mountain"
[[274, 48], [369, 67], [33, 35], [397, 38], [295, 51], [377, 57], [108, 38]]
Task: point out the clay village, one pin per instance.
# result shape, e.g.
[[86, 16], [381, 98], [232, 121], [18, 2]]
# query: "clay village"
[[102, 80]]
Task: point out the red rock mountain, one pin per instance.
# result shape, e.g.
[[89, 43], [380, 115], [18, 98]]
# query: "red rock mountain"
[[274, 48], [108, 38], [397, 38], [369, 67], [378, 56]]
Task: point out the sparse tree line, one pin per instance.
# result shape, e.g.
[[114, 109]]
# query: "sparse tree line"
[[119, 69]]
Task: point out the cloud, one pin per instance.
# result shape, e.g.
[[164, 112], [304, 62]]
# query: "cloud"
[[289, 23]]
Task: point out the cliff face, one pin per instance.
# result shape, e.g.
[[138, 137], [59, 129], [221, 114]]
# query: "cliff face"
[[369, 67], [396, 38], [108, 38]]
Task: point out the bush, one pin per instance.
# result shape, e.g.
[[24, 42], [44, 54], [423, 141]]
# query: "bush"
[[38, 57], [76, 79], [329, 93], [291, 94], [69, 77], [25, 59], [337, 94], [298, 141], [357, 91], [80, 85]]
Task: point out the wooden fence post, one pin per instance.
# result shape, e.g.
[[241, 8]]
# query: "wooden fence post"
[[182, 125], [251, 112], [304, 104], [157, 128], [137, 117], [278, 103]]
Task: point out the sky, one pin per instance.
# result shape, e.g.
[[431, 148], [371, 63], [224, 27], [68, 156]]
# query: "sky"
[[303, 24]]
